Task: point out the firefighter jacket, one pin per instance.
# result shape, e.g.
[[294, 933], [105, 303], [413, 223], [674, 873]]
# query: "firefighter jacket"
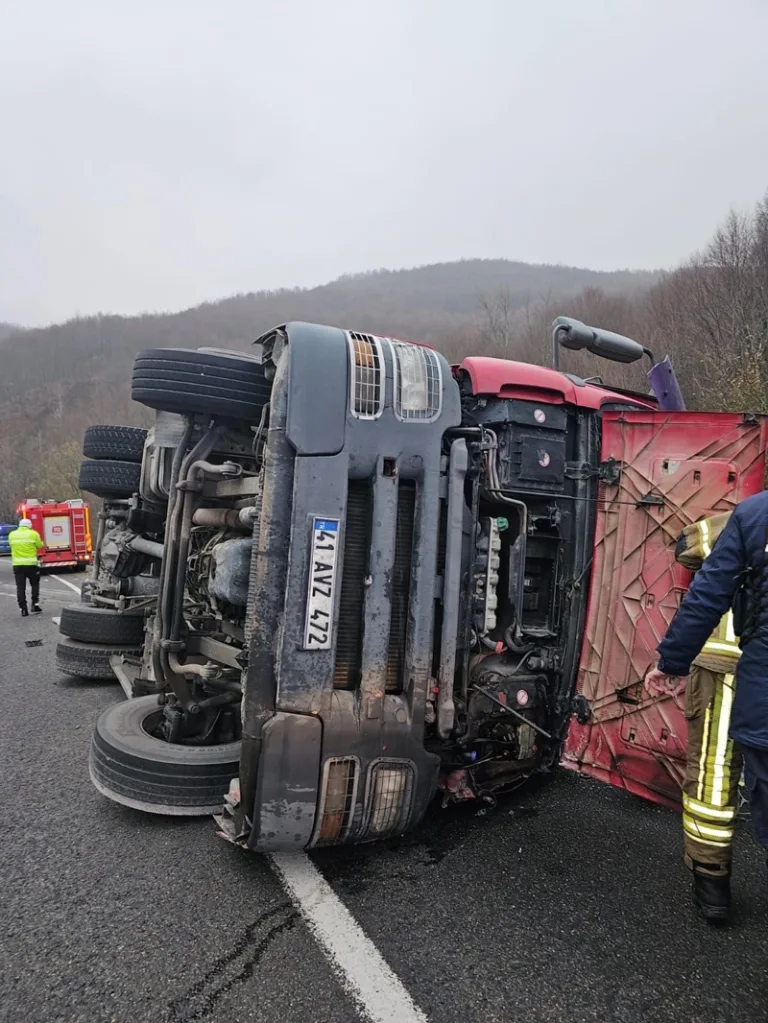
[[721, 652], [25, 543], [738, 563]]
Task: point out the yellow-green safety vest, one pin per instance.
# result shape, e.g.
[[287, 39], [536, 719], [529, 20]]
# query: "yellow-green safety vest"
[[24, 543]]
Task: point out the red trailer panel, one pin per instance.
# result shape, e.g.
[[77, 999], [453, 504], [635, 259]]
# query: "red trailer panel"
[[676, 468]]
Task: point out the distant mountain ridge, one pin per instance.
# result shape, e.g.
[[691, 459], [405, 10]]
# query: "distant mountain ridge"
[[421, 303], [54, 381]]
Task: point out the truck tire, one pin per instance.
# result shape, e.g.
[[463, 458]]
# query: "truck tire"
[[182, 380], [130, 766], [101, 625], [90, 660], [115, 443], [110, 479]]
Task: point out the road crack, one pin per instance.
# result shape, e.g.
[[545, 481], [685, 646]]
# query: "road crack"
[[202, 997]]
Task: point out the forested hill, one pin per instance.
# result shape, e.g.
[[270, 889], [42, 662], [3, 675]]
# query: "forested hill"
[[54, 381], [424, 303]]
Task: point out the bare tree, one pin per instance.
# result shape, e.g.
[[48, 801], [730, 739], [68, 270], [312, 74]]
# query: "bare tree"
[[496, 324], [713, 315], [56, 474]]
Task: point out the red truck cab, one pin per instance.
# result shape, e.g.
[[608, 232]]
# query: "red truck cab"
[[659, 470]]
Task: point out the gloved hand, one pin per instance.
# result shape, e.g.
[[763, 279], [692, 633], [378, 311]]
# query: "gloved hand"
[[658, 683]]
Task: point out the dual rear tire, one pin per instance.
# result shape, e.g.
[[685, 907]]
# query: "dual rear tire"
[[101, 625], [115, 443], [93, 635], [113, 468]]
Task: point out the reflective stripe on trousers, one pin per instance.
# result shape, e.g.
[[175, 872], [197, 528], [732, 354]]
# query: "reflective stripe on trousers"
[[710, 789]]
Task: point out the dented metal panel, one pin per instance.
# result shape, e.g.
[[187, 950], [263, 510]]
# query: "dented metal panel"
[[676, 468]]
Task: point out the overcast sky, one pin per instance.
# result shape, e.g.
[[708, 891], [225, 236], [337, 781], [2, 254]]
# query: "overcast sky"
[[158, 153]]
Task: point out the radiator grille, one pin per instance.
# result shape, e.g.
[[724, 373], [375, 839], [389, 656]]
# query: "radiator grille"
[[338, 789], [357, 539], [401, 584], [391, 786], [366, 375]]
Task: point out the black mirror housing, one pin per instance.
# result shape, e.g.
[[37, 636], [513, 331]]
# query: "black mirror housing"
[[577, 336]]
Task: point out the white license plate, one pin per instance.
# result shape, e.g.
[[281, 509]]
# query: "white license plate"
[[318, 626]]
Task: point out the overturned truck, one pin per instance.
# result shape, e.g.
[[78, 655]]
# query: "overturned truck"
[[357, 577]]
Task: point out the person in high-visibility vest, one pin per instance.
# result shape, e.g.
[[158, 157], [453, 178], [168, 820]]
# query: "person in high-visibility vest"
[[727, 692], [25, 542]]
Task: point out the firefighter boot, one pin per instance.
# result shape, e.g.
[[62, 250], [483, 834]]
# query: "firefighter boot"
[[712, 894]]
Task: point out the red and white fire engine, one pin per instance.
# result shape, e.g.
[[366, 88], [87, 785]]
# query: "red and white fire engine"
[[65, 529]]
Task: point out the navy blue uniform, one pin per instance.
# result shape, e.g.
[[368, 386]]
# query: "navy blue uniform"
[[741, 548]]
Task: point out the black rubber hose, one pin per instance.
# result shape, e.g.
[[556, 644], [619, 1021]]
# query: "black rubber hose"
[[510, 641]]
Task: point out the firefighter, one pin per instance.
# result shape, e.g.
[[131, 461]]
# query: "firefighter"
[[727, 696], [25, 543], [713, 763]]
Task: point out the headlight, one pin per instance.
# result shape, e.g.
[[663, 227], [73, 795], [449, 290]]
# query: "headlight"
[[390, 799], [337, 800], [418, 390]]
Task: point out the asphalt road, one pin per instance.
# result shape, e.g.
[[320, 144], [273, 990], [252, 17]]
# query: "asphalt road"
[[567, 904]]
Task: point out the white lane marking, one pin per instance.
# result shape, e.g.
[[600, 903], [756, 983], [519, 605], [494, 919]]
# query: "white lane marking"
[[66, 582], [360, 968]]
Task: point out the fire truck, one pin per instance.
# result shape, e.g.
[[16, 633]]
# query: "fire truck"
[[349, 577], [64, 528]]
